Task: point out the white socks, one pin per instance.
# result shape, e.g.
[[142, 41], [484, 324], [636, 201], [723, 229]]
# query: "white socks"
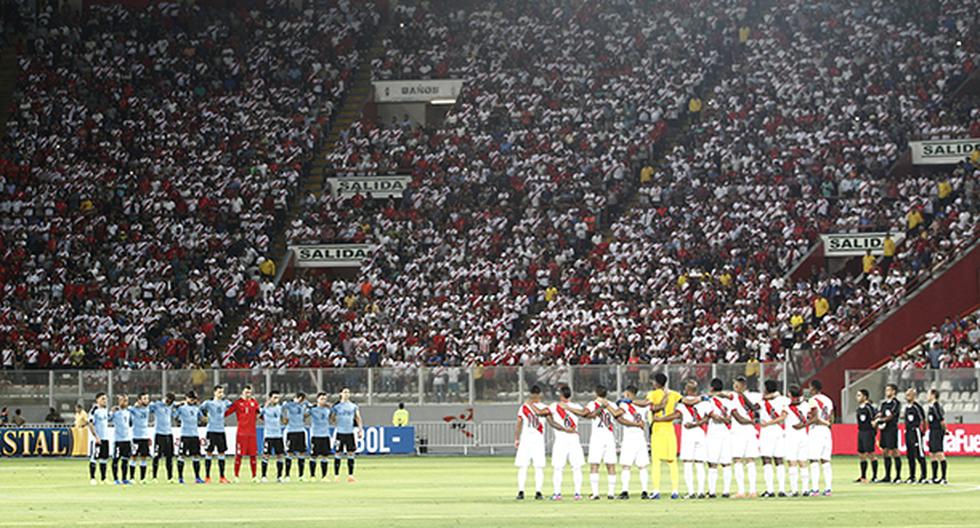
[[556, 478], [740, 477], [689, 477], [712, 480], [521, 478], [781, 477], [828, 476], [804, 477], [577, 479], [726, 474], [626, 479], [814, 476], [612, 483], [594, 483], [644, 479], [794, 474], [701, 479], [538, 479], [767, 475], [751, 468]]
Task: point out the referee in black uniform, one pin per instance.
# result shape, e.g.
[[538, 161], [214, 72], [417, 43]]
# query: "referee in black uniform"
[[889, 413], [915, 422], [937, 432], [866, 436]]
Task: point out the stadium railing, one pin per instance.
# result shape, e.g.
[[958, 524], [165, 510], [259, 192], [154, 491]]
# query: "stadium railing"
[[959, 389], [415, 385]]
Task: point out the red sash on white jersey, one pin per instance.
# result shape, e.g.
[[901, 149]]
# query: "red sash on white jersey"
[[769, 410], [532, 418], [697, 416], [565, 417], [796, 410], [823, 415], [721, 407]]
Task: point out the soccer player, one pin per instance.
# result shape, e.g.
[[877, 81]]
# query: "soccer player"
[[189, 414], [693, 414], [602, 442], [663, 437], [819, 439], [529, 442], [937, 432], [633, 452], [915, 425], [567, 449], [320, 436], [296, 446], [215, 409], [246, 411], [745, 440], [122, 423], [272, 429], [887, 422], [866, 436], [796, 442], [349, 423], [141, 435], [719, 439], [772, 423], [98, 426], [163, 439]]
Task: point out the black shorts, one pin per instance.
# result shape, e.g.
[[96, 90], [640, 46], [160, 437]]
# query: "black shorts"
[[913, 443], [100, 450], [163, 445], [124, 449], [888, 439], [296, 441], [273, 446], [141, 447], [217, 442], [321, 446], [346, 443], [866, 441], [190, 446], [936, 440]]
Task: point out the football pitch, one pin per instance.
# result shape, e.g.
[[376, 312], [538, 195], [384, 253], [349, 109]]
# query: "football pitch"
[[456, 491]]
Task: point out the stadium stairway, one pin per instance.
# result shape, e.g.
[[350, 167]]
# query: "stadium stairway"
[[8, 81], [954, 289], [312, 182]]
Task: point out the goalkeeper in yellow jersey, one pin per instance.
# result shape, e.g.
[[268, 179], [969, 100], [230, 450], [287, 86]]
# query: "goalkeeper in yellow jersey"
[[663, 437]]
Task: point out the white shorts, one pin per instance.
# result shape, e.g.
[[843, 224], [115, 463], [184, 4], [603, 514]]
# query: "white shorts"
[[567, 451], [771, 442], [745, 444], [530, 452], [634, 453], [602, 448], [719, 448], [820, 443], [796, 446], [693, 446]]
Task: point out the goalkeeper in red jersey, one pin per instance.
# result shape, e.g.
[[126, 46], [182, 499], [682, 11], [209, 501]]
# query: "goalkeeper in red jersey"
[[245, 409]]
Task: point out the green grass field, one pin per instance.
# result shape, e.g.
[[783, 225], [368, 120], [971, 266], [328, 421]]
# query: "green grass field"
[[455, 492]]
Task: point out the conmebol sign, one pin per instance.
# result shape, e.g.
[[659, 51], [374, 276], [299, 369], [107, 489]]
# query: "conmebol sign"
[[942, 151], [332, 255], [855, 244], [375, 186], [416, 91]]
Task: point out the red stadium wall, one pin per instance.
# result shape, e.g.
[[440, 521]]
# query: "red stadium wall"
[[953, 292], [961, 439]]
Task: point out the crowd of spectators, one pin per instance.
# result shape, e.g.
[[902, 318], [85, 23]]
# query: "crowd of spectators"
[[148, 161], [954, 344]]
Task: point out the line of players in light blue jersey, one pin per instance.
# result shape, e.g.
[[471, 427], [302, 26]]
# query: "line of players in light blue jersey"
[[284, 427], [289, 443]]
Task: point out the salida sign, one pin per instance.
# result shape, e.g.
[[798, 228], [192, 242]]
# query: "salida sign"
[[942, 151], [332, 255], [855, 244], [369, 186]]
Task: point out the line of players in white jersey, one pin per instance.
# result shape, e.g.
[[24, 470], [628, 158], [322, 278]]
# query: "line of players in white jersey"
[[719, 430]]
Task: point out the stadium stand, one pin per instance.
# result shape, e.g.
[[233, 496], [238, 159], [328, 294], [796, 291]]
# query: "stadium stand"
[[150, 157]]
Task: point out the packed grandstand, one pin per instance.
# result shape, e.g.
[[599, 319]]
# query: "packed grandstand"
[[616, 183]]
